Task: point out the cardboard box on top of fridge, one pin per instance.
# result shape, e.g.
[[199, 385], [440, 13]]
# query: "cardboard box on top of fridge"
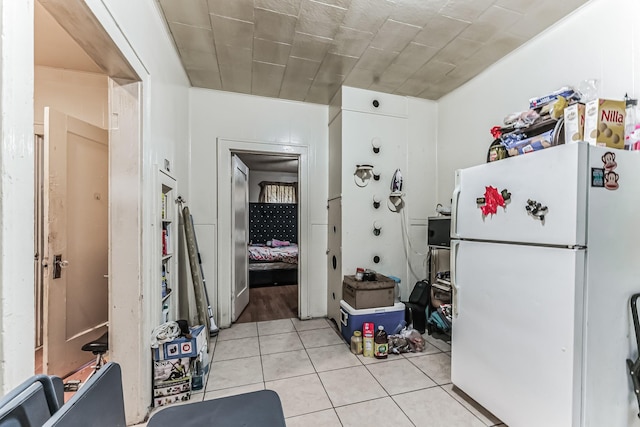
[[604, 123], [574, 123], [182, 346]]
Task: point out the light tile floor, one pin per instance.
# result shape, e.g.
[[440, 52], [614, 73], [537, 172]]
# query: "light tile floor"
[[321, 383]]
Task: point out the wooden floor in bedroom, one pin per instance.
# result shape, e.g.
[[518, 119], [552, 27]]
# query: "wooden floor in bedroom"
[[271, 303]]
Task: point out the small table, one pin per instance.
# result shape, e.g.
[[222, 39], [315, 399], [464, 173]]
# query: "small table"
[[260, 409]]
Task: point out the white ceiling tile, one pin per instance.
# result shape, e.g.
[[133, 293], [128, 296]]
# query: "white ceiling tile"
[[274, 26], [440, 30], [457, 51], [273, 52], [321, 93], [266, 79], [376, 59], [236, 79], [232, 32], [520, 6], [394, 35], [232, 56], [360, 78], [338, 64], [492, 21], [295, 89], [367, 15], [340, 3], [205, 78], [415, 55], [192, 38], [395, 76], [434, 71], [416, 12], [308, 46], [465, 10], [328, 78], [193, 60], [189, 12], [238, 9], [319, 19], [349, 41], [299, 68], [412, 87], [289, 7]]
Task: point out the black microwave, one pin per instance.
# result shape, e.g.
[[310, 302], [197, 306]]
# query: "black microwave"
[[439, 231]]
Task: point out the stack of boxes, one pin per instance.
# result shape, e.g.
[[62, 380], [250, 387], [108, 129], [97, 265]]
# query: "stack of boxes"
[[369, 301], [172, 367]]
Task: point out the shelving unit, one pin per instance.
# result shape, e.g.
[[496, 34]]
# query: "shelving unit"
[[168, 269]]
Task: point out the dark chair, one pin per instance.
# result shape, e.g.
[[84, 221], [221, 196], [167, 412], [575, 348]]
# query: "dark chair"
[[99, 403], [32, 403], [416, 308], [256, 409]]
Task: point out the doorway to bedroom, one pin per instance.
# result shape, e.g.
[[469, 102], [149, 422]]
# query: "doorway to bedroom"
[[271, 236]]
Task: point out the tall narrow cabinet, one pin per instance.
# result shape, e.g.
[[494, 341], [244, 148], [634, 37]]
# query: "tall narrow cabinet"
[[167, 284], [367, 144]]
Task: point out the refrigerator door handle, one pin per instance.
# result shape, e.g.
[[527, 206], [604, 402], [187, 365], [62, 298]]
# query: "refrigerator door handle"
[[454, 207], [454, 287]]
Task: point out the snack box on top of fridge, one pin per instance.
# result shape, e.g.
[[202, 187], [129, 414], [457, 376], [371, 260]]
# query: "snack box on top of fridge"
[[604, 123]]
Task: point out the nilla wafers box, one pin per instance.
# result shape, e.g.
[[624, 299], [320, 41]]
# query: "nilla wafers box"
[[604, 123], [574, 123]]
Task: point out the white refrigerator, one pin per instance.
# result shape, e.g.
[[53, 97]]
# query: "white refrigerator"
[[541, 318]]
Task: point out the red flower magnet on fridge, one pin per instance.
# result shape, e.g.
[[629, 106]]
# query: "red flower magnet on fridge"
[[492, 199]]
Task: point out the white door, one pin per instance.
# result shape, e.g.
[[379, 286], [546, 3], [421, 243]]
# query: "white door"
[[556, 178], [240, 236], [517, 330], [76, 250]]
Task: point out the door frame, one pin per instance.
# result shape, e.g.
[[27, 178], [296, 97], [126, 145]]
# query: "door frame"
[[94, 28], [224, 286]]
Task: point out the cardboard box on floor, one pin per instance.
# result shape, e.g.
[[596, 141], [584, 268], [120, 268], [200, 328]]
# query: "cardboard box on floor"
[[182, 347], [171, 381]]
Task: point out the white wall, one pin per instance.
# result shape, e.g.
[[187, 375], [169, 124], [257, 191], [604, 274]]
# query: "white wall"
[[17, 324], [139, 32], [82, 95], [600, 41], [256, 177], [231, 116]]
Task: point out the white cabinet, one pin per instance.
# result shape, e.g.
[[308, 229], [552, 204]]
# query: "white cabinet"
[[167, 284], [368, 142]]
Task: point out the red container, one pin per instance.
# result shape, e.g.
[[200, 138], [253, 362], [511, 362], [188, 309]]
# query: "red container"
[[367, 339]]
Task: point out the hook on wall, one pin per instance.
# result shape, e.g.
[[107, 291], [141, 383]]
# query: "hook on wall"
[[376, 202], [377, 228], [376, 176], [375, 144]]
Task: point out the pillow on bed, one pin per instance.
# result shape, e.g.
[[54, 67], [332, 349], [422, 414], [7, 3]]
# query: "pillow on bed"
[[275, 243]]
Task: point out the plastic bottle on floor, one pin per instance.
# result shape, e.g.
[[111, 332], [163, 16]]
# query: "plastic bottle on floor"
[[356, 343], [381, 343], [367, 333]]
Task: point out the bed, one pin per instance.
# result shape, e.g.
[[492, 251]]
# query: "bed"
[[273, 249]]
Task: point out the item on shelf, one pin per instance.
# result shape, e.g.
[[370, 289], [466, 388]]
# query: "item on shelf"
[[574, 123], [566, 92], [604, 123]]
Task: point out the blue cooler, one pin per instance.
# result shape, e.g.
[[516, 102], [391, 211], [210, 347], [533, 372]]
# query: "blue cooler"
[[351, 319]]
